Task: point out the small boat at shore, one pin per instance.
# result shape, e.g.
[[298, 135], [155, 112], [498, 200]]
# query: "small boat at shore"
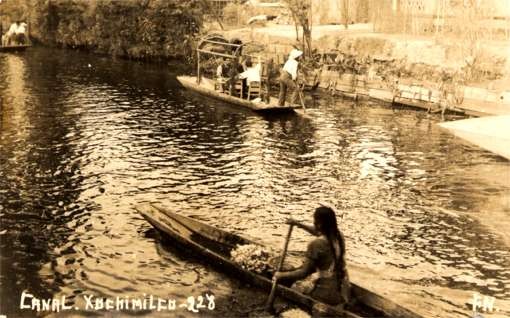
[[491, 133], [215, 245], [206, 88], [14, 48]]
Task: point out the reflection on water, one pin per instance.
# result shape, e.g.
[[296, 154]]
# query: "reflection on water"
[[80, 145]]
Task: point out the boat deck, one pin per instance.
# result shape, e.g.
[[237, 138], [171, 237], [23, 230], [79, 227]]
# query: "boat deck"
[[13, 48], [206, 87]]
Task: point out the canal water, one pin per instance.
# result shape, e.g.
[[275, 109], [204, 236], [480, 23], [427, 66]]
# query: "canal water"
[[83, 139]]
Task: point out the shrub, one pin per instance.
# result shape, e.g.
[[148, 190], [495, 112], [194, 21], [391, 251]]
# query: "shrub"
[[130, 28]]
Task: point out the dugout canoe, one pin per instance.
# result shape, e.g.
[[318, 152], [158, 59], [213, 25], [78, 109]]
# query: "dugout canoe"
[[491, 133], [206, 88], [14, 48], [214, 245]]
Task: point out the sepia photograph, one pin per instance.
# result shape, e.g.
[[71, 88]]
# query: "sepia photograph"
[[255, 158]]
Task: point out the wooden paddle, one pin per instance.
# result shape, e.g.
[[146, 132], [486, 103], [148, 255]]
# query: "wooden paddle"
[[272, 295]]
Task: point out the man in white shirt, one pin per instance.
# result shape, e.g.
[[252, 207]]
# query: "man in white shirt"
[[252, 73], [288, 77]]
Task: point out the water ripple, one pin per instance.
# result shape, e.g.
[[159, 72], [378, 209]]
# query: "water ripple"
[[80, 147]]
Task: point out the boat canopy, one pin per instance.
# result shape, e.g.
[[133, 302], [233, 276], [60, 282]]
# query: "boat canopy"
[[216, 45]]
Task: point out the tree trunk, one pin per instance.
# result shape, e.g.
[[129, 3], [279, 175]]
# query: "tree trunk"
[[345, 13]]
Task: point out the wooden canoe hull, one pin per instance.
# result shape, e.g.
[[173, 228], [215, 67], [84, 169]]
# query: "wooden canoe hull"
[[14, 48], [215, 244], [190, 82]]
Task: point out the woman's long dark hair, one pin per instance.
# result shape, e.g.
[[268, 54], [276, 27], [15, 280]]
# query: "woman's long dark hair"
[[326, 219]]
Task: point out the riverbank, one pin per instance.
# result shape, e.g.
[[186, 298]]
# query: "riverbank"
[[134, 29], [436, 74], [422, 72]]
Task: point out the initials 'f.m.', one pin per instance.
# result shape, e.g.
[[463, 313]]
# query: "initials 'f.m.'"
[[485, 303]]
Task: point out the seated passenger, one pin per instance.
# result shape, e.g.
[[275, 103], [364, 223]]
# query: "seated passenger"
[[325, 258], [234, 69], [222, 75], [222, 69], [20, 33], [252, 73]]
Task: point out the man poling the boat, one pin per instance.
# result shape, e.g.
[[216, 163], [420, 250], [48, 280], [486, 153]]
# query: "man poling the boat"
[[324, 262], [288, 77]]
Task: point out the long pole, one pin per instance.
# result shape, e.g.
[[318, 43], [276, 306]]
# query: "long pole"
[[300, 92]]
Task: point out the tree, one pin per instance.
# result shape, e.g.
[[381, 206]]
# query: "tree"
[[300, 11], [345, 13]]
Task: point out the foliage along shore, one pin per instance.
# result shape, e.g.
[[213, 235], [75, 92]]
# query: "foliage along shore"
[[137, 29]]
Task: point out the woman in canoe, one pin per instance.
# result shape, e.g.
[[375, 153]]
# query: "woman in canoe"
[[324, 262]]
